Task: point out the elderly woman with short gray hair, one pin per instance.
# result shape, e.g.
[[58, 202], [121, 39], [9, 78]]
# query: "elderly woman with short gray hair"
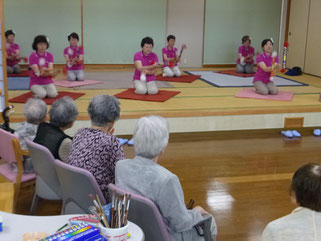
[[62, 114], [35, 111], [143, 175], [96, 149]]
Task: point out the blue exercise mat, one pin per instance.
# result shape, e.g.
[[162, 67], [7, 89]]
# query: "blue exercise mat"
[[18, 83], [224, 80]]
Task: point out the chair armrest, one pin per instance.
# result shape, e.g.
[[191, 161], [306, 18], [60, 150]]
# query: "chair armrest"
[[205, 226]]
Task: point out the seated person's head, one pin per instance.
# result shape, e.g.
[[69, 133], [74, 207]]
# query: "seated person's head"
[[35, 111], [246, 40], [104, 111], [151, 136], [171, 40], [147, 45], [10, 35], [306, 186], [63, 113], [41, 42]]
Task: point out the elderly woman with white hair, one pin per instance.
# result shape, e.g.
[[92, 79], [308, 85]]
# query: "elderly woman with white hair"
[[96, 149], [62, 114], [143, 175], [304, 222], [35, 111]]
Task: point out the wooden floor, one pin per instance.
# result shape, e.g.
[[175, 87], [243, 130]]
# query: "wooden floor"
[[241, 177], [199, 99]]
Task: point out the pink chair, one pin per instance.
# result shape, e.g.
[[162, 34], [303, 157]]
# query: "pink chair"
[[145, 214], [47, 183], [10, 152], [76, 184]]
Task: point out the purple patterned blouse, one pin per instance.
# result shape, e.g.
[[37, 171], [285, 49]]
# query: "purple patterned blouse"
[[97, 152]]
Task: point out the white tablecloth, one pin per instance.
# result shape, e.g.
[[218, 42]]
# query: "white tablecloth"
[[14, 226]]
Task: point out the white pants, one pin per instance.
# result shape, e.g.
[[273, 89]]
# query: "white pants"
[[41, 91], [142, 87], [168, 72], [76, 75]]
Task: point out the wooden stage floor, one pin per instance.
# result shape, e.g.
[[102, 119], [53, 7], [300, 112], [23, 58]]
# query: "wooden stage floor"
[[199, 99]]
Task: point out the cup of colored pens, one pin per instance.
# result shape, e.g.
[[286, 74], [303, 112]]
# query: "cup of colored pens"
[[114, 225]]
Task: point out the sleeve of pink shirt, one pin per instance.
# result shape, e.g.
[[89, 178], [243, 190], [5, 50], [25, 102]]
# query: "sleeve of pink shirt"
[[155, 58], [252, 50], [137, 57], [81, 50], [66, 51], [163, 51], [240, 49], [259, 59], [16, 47], [33, 60], [50, 57], [176, 50]]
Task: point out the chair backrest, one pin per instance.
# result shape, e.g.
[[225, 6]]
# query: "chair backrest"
[[6, 147], [43, 164], [145, 214], [10, 152], [76, 185]]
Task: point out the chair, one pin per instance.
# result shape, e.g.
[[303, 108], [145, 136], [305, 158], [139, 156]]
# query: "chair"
[[47, 183], [76, 185], [11, 152], [145, 214]]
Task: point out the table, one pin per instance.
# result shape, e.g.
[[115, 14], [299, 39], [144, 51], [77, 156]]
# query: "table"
[[15, 225]]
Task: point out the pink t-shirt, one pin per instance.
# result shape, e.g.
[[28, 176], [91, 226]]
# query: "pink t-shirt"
[[12, 49], [245, 52], [260, 74], [74, 52], [170, 53], [146, 61], [41, 61]]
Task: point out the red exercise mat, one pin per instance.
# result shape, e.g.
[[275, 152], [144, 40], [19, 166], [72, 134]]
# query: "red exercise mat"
[[161, 96], [23, 98], [188, 78], [233, 72], [24, 73]]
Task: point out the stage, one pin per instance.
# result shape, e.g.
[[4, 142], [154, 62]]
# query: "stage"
[[202, 107]]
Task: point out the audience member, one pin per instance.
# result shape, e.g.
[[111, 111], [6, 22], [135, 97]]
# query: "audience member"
[[304, 223], [62, 114], [96, 149], [35, 111], [143, 175]]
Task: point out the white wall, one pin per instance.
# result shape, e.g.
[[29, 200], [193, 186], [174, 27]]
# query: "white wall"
[[185, 20]]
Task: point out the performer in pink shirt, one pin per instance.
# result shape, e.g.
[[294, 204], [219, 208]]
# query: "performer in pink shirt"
[[245, 62], [74, 57], [262, 81], [170, 58], [41, 64], [146, 63], [12, 53]]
